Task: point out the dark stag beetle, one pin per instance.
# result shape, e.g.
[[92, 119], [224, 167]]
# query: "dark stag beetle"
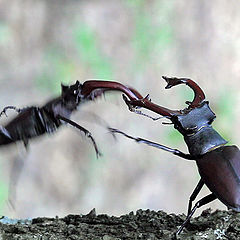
[[218, 165], [34, 121]]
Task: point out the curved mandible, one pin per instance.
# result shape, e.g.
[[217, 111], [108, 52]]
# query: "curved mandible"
[[199, 94], [145, 102], [89, 87], [94, 88]]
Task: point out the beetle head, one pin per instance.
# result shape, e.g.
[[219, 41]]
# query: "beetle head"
[[194, 116], [198, 113], [71, 95]]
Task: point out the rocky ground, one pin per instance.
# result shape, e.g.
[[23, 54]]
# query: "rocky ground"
[[144, 224]]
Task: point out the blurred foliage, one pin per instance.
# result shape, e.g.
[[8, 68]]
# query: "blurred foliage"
[[135, 3], [226, 114], [172, 137], [185, 94], [4, 33], [57, 69], [3, 194], [147, 39], [89, 50], [3, 191]]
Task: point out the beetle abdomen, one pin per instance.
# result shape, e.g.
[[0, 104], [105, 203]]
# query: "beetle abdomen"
[[220, 170]]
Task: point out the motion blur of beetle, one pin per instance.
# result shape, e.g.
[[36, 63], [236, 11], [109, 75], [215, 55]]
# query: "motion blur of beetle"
[[34, 121]]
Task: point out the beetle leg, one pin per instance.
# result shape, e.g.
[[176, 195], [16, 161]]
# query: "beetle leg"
[[15, 173], [10, 107], [25, 142], [5, 132], [87, 133], [194, 195], [156, 145], [209, 198]]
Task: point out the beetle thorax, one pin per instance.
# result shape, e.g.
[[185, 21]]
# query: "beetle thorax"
[[195, 126]]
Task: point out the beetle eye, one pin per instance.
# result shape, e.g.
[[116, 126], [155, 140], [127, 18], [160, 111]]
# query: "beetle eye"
[[75, 92]]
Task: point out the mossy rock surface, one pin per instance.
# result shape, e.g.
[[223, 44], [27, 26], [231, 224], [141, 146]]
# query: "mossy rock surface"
[[144, 224]]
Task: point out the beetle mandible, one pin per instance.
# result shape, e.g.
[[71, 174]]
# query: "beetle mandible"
[[218, 164]]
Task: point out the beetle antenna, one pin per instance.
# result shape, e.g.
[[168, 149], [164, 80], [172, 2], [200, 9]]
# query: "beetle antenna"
[[9, 107]]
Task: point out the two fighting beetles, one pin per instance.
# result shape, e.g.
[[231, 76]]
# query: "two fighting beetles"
[[218, 165]]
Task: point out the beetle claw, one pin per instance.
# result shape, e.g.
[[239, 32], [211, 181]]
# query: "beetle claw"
[[172, 81], [199, 95]]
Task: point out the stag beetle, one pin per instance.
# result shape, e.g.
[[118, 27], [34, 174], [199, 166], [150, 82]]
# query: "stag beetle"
[[218, 165], [34, 121]]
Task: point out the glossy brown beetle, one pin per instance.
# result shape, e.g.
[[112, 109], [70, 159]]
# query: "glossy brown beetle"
[[218, 165]]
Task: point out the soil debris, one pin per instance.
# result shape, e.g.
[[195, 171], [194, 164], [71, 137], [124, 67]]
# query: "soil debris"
[[143, 224]]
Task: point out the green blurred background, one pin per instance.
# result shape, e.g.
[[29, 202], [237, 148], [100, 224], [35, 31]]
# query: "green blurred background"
[[44, 43]]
